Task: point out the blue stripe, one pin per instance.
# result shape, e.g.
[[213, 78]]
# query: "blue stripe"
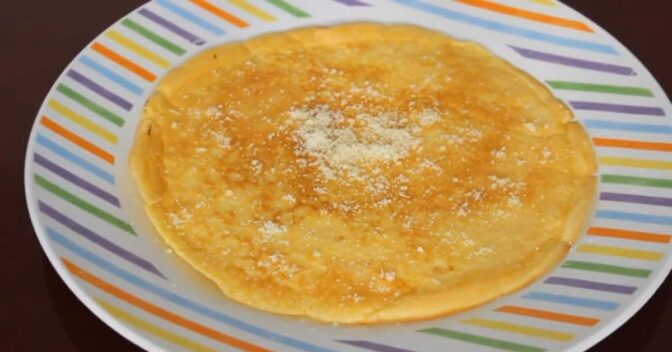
[[168, 5], [73, 158], [571, 300], [508, 29], [635, 217], [109, 74], [625, 126], [96, 239], [181, 301]]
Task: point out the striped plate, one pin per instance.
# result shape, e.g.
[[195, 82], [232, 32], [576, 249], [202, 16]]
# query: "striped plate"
[[88, 222]]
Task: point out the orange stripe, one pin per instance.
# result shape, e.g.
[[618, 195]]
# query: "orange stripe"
[[67, 134], [160, 312], [533, 16], [629, 235], [128, 64], [543, 314], [623, 143], [221, 13]]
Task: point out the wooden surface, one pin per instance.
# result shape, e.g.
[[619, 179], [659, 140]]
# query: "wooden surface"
[[39, 313]]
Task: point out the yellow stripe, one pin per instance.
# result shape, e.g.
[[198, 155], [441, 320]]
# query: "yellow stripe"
[[545, 2], [152, 329], [137, 48], [521, 329], [640, 163], [246, 6], [620, 252], [83, 121]]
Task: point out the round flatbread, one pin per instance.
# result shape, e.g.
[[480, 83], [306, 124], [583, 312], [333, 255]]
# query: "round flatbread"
[[362, 173]]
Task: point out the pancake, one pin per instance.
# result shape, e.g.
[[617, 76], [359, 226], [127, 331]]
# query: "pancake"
[[362, 173]]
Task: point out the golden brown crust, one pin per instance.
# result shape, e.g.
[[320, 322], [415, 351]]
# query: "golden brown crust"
[[305, 173]]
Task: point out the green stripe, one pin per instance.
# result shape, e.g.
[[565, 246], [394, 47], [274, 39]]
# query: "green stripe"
[[163, 42], [637, 181], [289, 8], [82, 204], [603, 268], [480, 340], [600, 88], [84, 101]]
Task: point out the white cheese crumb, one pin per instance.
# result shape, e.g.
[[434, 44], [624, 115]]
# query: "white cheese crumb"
[[213, 111], [428, 117], [481, 251], [256, 166], [388, 275], [180, 219], [500, 182], [431, 165], [466, 241], [271, 228], [453, 139], [499, 153], [223, 141], [546, 153], [476, 194], [357, 298], [383, 202], [463, 209], [288, 197], [513, 201]]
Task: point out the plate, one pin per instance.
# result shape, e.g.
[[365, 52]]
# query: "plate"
[[89, 221]]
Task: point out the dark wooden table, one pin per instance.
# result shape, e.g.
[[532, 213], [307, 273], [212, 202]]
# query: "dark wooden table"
[[38, 312]]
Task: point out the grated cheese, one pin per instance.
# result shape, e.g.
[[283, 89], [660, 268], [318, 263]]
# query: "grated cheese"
[[340, 144]]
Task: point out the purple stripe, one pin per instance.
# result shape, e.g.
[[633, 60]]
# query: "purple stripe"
[[97, 239], [171, 26], [591, 285], [76, 180], [624, 109], [95, 87], [633, 198], [371, 346], [569, 61], [352, 2]]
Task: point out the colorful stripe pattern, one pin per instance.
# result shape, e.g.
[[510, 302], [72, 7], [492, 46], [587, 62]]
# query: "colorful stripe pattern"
[[77, 141], [482, 340], [504, 28], [547, 315], [545, 2], [373, 346], [575, 62], [155, 310], [529, 15], [157, 331]]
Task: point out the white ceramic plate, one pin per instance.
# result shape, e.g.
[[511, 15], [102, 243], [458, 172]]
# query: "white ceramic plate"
[[93, 231]]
